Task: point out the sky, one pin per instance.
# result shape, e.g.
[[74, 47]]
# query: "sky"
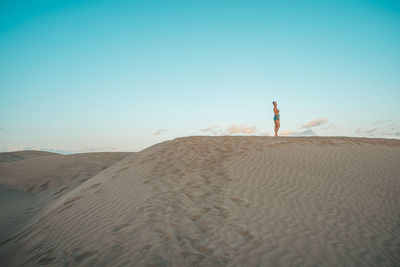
[[81, 76]]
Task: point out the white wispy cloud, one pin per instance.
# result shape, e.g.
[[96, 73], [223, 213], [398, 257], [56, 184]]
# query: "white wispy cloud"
[[210, 129], [381, 122], [329, 126], [98, 149], [67, 151], [372, 130], [286, 133], [160, 131], [215, 129], [236, 129], [360, 131], [315, 123], [308, 132], [12, 149]]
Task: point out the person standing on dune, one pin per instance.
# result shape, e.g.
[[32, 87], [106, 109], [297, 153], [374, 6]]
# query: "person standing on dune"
[[276, 118]]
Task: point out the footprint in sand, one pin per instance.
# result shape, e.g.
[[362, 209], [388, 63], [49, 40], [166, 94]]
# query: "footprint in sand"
[[194, 258], [72, 200], [95, 185]]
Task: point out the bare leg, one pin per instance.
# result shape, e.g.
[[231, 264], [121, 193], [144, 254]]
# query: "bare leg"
[[277, 126]]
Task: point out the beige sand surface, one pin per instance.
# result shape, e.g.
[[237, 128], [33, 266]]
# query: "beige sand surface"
[[26, 154], [229, 201], [29, 180], [41, 173]]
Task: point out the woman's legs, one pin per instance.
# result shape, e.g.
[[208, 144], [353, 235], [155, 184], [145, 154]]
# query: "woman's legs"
[[277, 126]]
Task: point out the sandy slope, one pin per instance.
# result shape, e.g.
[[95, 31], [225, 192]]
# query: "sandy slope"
[[39, 174], [28, 184], [229, 201], [21, 155]]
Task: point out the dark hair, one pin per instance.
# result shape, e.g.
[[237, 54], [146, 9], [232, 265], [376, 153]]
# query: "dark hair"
[[273, 102]]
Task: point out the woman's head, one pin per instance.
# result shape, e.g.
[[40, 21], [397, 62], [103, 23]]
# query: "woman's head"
[[274, 103]]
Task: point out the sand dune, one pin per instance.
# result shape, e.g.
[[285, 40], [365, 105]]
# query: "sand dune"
[[26, 154], [39, 174], [228, 201], [32, 179]]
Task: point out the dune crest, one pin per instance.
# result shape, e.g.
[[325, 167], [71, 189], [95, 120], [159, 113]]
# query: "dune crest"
[[229, 201], [21, 155]]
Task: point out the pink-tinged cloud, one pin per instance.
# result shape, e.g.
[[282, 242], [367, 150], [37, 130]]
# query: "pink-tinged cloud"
[[237, 129], [216, 129], [12, 149], [158, 132], [286, 133], [314, 123], [234, 129]]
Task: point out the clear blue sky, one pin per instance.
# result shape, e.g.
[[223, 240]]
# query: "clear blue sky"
[[108, 75]]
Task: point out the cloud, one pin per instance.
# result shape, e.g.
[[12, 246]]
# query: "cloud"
[[12, 149], [236, 129], [331, 125], [212, 129], [308, 132], [1, 128], [233, 129], [382, 122], [97, 149], [67, 151], [397, 134], [386, 133], [371, 131], [286, 133], [315, 123], [158, 132]]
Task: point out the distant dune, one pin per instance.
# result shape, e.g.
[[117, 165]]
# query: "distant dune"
[[219, 201], [26, 154], [38, 173], [31, 179]]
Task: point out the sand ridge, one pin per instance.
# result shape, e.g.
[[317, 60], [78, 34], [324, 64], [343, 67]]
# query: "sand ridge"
[[40, 173], [21, 155], [229, 201], [34, 180]]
